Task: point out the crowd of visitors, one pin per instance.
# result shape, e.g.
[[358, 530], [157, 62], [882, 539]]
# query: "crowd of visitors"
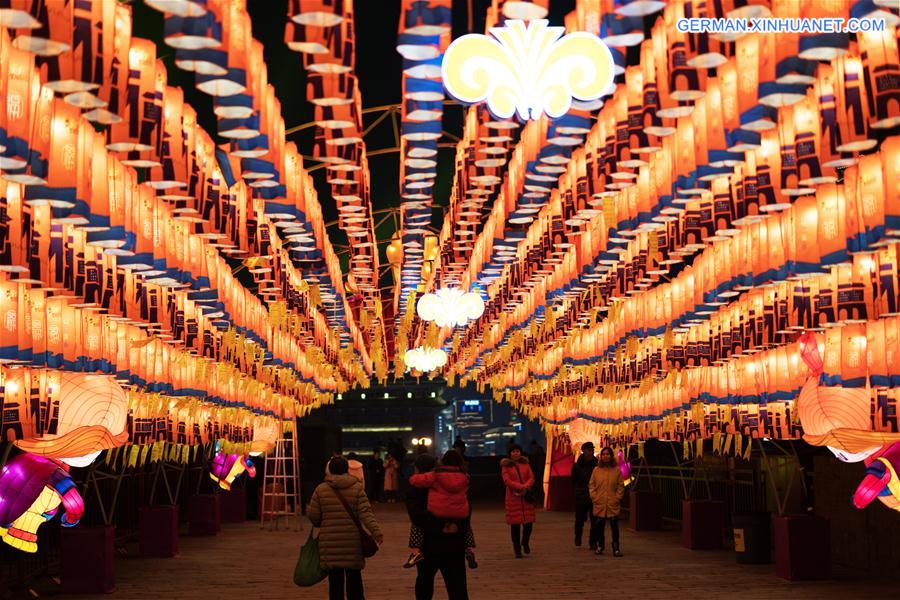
[[441, 538]]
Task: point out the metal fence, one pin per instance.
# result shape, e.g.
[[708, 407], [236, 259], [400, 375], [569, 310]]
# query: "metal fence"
[[741, 490]]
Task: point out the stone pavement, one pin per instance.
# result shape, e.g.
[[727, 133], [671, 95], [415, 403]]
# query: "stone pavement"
[[246, 562]]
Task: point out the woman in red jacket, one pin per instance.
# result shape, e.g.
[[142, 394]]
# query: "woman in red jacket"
[[519, 479]]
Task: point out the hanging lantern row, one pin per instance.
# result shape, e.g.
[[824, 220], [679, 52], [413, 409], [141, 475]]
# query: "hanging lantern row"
[[54, 332], [208, 40], [868, 288], [817, 231], [423, 36], [323, 32], [123, 110], [754, 396], [478, 167], [566, 133], [482, 156], [636, 202], [618, 178], [188, 297]]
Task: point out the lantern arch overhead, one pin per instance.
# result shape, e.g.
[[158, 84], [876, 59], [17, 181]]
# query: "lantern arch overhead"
[[643, 232]]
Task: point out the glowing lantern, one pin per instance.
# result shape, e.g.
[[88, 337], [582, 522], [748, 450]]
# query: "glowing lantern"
[[265, 436], [881, 480], [225, 467], [478, 67], [625, 468], [450, 307], [31, 490], [425, 359], [92, 416]]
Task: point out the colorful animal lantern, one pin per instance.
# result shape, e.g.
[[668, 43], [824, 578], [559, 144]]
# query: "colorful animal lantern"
[[93, 411], [839, 418], [881, 480], [625, 468], [225, 467], [834, 416], [31, 490]]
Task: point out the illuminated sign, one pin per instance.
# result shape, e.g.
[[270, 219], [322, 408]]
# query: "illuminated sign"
[[527, 70]]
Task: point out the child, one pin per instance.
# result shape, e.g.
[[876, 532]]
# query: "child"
[[446, 489]]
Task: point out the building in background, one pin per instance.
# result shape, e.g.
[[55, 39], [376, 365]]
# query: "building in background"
[[485, 426]]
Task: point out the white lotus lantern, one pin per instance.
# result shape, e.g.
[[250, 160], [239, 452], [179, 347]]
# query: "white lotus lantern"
[[450, 307]]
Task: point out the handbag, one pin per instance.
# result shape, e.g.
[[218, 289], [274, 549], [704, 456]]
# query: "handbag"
[[366, 541], [308, 571], [529, 496]]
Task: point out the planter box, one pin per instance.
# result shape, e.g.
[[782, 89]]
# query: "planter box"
[[233, 506], [87, 560], [646, 510], [702, 524], [158, 531], [802, 548], [204, 514]]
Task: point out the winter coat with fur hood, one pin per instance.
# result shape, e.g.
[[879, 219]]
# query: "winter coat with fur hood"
[[518, 479]]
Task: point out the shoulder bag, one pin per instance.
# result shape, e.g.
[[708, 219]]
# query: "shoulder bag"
[[529, 495], [366, 541], [308, 571]]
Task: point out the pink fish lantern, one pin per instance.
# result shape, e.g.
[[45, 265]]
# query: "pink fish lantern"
[[882, 479], [624, 468], [31, 490], [225, 467]]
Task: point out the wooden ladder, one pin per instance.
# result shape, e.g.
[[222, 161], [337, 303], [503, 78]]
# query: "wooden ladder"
[[281, 484]]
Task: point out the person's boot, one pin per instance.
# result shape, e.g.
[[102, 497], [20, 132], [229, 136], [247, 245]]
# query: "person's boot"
[[526, 548], [578, 539], [616, 552], [599, 550], [517, 548]]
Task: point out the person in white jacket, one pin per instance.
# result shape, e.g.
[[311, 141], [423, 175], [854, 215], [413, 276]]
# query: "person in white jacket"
[[356, 467]]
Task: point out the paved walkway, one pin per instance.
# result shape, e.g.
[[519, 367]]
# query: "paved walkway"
[[245, 562]]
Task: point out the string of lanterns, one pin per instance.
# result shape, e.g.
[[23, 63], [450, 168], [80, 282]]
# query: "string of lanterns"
[[778, 169], [323, 32], [214, 41], [423, 36]]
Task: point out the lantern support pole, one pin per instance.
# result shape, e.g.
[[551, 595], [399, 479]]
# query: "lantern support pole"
[[92, 481], [780, 499], [679, 464], [181, 471]]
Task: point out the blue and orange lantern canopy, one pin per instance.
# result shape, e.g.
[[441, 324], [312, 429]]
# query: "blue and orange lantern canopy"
[[32, 488], [226, 467]]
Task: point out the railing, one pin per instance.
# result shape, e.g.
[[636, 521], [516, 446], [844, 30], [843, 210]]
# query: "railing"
[[741, 490]]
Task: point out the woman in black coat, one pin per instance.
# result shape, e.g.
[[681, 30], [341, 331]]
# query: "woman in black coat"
[[581, 478]]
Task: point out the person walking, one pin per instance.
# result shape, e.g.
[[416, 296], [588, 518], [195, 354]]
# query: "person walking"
[[519, 481], [339, 544], [375, 477], [391, 478], [448, 499], [607, 489], [584, 506], [443, 542], [537, 459]]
